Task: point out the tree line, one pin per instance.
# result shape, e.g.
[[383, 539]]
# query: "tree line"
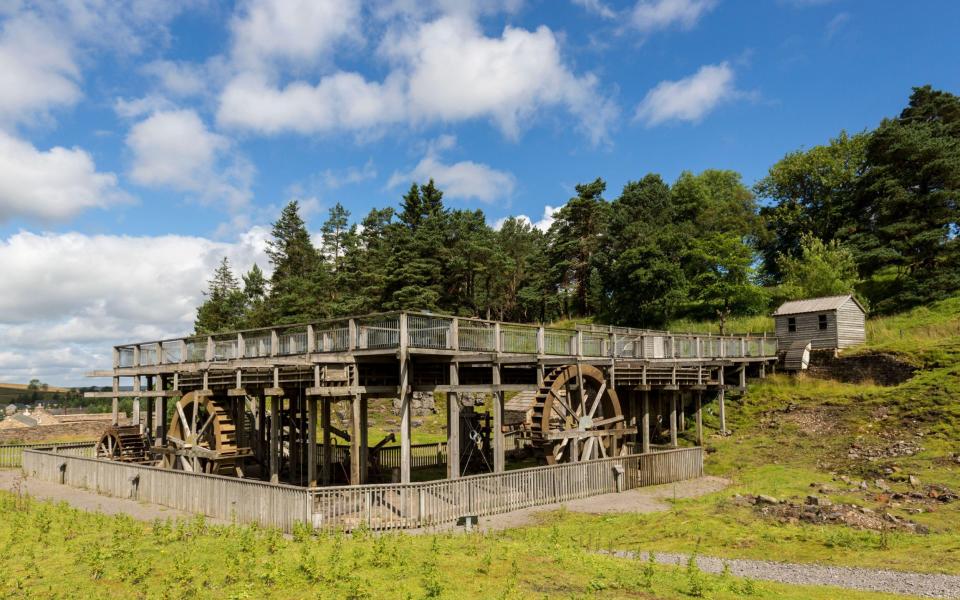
[[874, 213]]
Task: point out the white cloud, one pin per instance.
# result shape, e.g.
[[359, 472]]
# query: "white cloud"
[[465, 179], [422, 9], [178, 78], [446, 70], [338, 101], [175, 149], [37, 70], [335, 179], [51, 185], [543, 223], [838, 22], [596, 7], [690, 98], [298, 31], [457, 73], [71, 296], [138, 107], [649, 16]]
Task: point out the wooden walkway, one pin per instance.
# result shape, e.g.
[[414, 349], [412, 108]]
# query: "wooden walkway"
[[287, 380]]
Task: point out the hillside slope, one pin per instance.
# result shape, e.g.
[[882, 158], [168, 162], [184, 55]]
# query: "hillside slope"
[[858, 451]]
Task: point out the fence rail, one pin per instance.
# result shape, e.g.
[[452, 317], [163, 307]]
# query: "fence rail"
[[227, 498], [398, 506], [438, 332], [11, 455], [379, 507]]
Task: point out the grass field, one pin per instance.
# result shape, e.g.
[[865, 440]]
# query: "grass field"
[[64, 553]]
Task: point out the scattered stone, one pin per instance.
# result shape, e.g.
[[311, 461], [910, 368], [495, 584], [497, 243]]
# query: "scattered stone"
[[763, 499], [882, 485], [914, 481]]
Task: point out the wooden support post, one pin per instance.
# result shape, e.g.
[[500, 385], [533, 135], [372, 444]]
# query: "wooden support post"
[[148, 429], [743, 377], [699, 418], [673, 418], [364, 441], [681, 413], [645, 425], [404, 402], [499, 450], [763, 370], [721, 397], [453, 425], [327, 447], [135, 416], [161, 416], [274, 438], [355, 453], [115, 404]]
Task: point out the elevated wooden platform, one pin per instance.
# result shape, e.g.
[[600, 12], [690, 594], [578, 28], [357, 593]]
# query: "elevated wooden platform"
[[293, 372]]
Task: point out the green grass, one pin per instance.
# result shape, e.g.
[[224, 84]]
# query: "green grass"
[[747, 324], [65, 553]]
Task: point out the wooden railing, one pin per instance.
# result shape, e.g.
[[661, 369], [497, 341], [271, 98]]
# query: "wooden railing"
[[398, 506], [378, 507], [11, 455], [227, 498], [437, 332]]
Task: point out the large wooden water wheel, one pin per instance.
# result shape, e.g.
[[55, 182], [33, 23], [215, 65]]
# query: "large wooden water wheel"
[[577, 416], [123, 444], [203, 437]]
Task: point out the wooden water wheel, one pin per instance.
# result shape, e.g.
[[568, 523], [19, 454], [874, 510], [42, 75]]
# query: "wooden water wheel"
[[574, 423], [123, 444], [203, 437]]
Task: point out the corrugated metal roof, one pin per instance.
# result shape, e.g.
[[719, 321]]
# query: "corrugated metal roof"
[[813, 305]]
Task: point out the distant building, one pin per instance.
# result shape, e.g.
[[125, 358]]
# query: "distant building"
[[829, 323]]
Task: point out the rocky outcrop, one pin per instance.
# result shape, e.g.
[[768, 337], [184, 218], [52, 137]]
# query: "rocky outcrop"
[[878, 367]]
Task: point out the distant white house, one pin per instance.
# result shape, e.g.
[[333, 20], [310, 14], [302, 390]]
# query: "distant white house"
[[832, 322]]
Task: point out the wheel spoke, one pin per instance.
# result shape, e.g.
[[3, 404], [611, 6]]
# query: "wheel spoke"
[[596, 401]]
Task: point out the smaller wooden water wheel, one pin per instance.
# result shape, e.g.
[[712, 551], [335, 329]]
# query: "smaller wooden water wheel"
[[203, 437], [571, 422], [123, 444]]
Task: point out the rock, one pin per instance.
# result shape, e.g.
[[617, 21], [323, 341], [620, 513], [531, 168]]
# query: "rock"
[[863, 485], [813, 500], [914, 481], [882, 485], [764, 499]]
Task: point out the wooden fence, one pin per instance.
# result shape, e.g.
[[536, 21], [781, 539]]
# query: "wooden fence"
[[12, 455], [377, 507], [227, 498], [397, 506]]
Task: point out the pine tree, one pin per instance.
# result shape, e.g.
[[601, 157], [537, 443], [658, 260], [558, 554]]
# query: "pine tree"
[[299, 275], [224, 307], [575, 237], [255, 298]]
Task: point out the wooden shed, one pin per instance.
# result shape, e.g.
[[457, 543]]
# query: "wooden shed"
[[832, 322]]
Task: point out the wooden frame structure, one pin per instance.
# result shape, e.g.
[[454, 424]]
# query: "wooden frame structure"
[[290, 380]]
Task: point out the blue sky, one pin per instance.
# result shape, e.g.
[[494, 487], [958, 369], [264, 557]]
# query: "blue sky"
[[141, 141]]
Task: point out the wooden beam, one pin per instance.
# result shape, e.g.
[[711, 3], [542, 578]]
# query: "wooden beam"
[[699, 417], [453, 425], [645, 424], [274, 438], [327, 446], [312, 442], [355, 438], [499, 450], [596, 433], [673, 419]]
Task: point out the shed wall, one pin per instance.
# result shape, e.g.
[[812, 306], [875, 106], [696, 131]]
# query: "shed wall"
[[851, 325], [845, 327]]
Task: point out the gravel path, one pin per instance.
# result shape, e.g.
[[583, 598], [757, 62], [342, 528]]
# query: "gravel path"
[[871, 580]]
